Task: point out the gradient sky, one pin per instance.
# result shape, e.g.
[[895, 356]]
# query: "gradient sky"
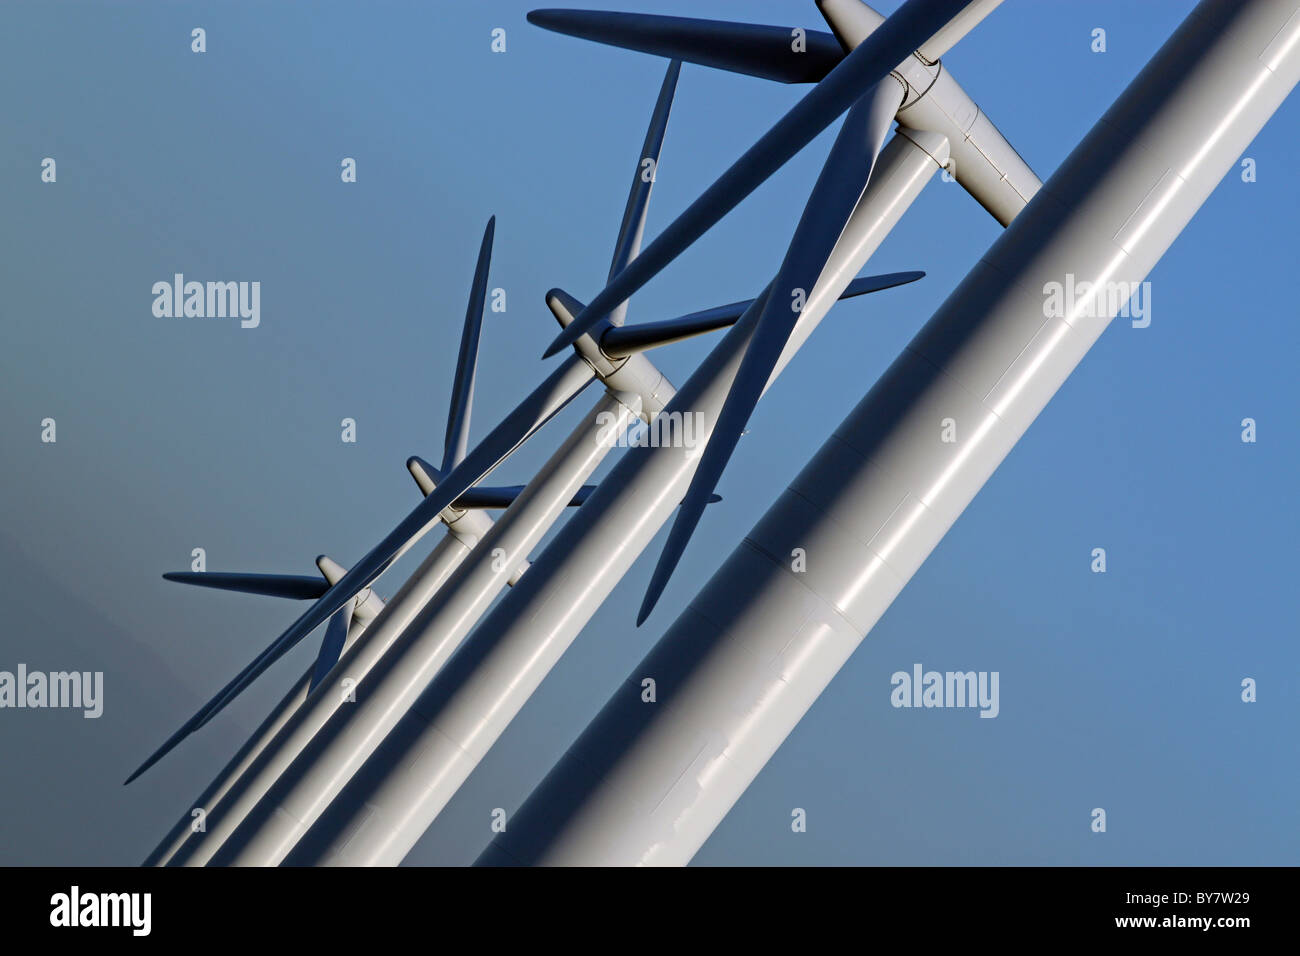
[[1119, 690]]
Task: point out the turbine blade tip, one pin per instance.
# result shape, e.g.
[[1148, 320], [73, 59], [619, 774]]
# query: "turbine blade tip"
[[545, 17], [153, 759]]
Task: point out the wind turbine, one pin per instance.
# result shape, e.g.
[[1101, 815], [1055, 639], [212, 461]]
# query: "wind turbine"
[[344, 626], [364, 609], [918, 92], [754, 649], [919, 28], [465, 523], [980, 158], [455, 501]]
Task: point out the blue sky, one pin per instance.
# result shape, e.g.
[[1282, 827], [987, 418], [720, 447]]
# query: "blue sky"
[[1119, 690]]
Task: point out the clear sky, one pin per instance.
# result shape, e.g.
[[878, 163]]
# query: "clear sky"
[[1119, 690]]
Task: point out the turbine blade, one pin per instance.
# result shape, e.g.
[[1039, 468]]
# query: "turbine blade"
[[632, 227], [622, 341], [841, 184], [564, 384], [914, 23], [863, 285], [487, 497], [767, 52], [331, 648], [462, 390], [956, 28], [628, 339], [295, 586], [481, 497]]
